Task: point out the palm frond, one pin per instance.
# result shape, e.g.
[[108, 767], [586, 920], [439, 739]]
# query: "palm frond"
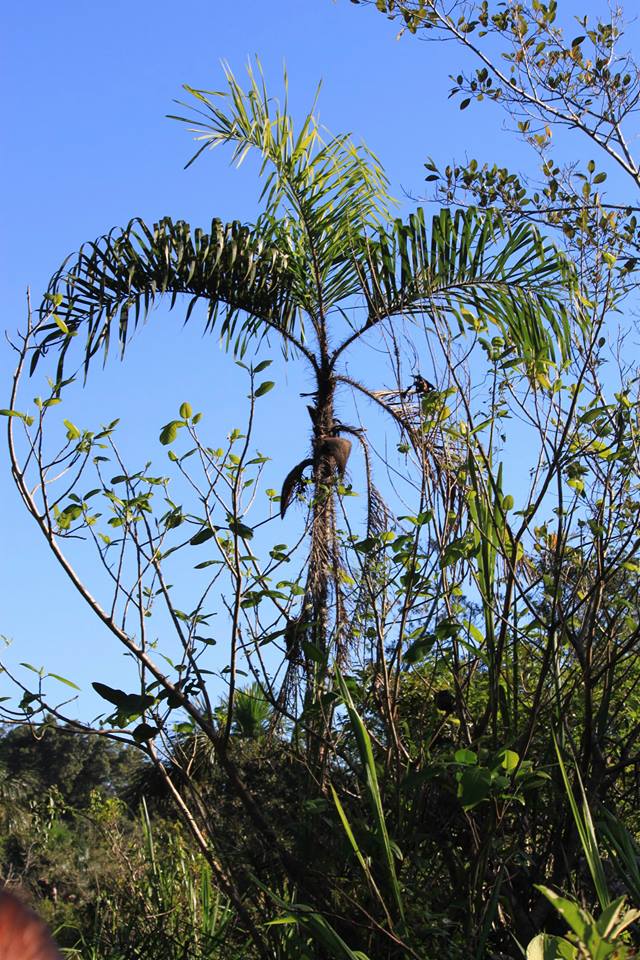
[[116, 279], [334, 190], [251, 712], [474, 267]]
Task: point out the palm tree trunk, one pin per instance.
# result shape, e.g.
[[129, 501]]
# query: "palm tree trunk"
[[322, 579], [323, 519]]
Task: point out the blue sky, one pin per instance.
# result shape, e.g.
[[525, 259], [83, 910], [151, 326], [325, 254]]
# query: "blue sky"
[[85, 90]]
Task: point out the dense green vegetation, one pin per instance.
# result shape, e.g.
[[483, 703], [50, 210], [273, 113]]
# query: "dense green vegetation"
[[427, 743]]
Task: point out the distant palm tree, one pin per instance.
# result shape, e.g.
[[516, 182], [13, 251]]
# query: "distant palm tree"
[[325, 240], [251, 712], [15, 794]]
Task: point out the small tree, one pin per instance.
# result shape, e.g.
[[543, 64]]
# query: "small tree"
[[491, 304]]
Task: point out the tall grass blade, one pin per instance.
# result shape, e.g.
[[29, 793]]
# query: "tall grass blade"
[[373, 789], [586, 831]]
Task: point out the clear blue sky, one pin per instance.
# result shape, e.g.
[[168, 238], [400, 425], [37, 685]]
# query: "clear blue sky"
[[85, 89]]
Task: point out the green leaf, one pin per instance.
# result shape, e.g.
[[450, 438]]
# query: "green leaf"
[[420, 648], [145, 731], [54, 298], [29, 666], [174, 519], [509, 276], [185, 410], [262, 366], [469, 757], [128, 703], [264, 388], [72, 431], [474, 786], [202, 536], [69, 683], [169, 432], [187, 727], [593, 414], [240, 529], [68, 516], [547, 947], [509, 760], [571, 912], [609, 919]]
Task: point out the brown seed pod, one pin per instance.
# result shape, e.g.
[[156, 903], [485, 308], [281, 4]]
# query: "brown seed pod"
[[291, 481], [333, 450], [336, 450]]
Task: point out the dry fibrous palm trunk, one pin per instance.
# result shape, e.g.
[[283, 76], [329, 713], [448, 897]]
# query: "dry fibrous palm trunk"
[[321, 620], [371, 575], [332, 453]]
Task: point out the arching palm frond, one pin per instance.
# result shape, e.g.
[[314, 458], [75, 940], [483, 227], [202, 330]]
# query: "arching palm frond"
[[471, 265], [120, 276], [329, 191], [320, 199]]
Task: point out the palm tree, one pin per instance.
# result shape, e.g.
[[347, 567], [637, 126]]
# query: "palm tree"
[[252, 712], [324, 241]]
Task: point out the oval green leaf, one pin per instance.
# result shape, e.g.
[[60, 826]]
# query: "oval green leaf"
[[264, 388]]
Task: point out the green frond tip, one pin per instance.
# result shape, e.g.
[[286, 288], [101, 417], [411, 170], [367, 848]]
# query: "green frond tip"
[[329, 190], [112, 283], [307, 165]]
